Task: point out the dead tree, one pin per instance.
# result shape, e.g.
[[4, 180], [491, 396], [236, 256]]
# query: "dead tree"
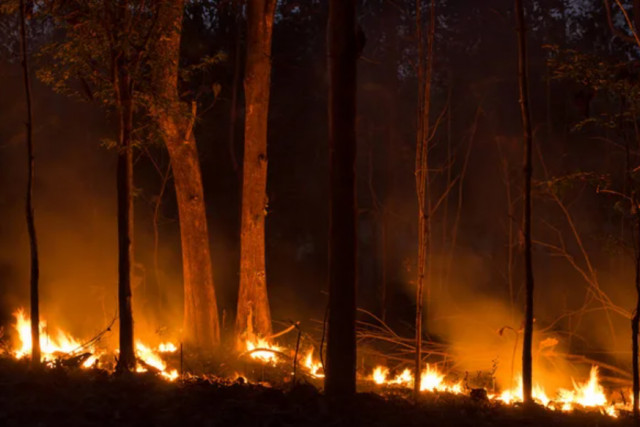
[[175, 119], [342, 52], [31, 226], [528, 171], [423, 135], [253, 315]]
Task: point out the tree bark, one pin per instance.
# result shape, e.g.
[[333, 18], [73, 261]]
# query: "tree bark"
[[528, 171], [253, 316], [31, 227], [342, 57], [175, 121], [127, 358]]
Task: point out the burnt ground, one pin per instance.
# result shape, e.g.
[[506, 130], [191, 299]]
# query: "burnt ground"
[[61, 397]]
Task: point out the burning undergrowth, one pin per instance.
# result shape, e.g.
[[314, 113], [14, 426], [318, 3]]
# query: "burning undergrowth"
[[282, 363]]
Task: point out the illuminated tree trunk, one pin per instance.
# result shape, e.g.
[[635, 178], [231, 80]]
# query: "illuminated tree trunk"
[[528, 169], [31, 226], [635, 322], [201, 325], [425, 71], [253, 316], [342, 57], [126, 359]]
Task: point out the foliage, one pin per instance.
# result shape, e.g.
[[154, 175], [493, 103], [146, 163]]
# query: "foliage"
[[617, 80]]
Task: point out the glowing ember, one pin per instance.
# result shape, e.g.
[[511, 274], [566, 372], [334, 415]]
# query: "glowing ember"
[[167, 347]]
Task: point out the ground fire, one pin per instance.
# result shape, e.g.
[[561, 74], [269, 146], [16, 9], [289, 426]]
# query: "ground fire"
[[61, 348]]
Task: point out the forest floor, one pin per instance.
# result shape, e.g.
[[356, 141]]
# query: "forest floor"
[[57, 397]]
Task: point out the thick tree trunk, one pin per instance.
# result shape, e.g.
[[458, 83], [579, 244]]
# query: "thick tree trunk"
[[253, 316], [201, 325], [528, 170], [342, 60], [127, 359], [31, 226]]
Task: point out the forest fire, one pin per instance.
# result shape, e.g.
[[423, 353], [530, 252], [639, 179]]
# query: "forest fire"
[[52, 345], [262, 350], [290, 205], [61, 346], [589, 394]]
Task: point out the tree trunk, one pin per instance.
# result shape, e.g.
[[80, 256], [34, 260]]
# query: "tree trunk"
[[201, 325], [253, 316], [31, 227], [425, 70], [635, 325], [342, 57], [528, 170], [235, 85], [127, 358]]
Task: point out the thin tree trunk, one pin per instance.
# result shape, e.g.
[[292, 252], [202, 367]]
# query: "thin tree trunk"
[[201, 328], [127, 359], [635, 320], [425, 70], [342, 52], [235, 88], [253, 315], [635, 326], [528, 170], [31, 226], [160, 297]]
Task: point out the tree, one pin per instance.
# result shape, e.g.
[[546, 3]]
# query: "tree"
[[175, 121], [31, 226], [342, 48], [105, 45], [253, 316], [423, 136], [528, 170]]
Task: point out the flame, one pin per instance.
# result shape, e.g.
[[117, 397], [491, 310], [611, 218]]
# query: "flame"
[[314, 368], [54, 346], [379, 375], [589, 394], [430, 379], [152, 358], [260, 349], [515, 394], [51, 346]]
